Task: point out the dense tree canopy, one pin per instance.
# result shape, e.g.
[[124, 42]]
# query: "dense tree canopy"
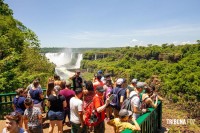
[[177, 66], [20, 58]]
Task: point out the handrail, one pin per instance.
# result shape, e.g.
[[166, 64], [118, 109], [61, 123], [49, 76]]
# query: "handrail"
[[6, 103], [149, 122]]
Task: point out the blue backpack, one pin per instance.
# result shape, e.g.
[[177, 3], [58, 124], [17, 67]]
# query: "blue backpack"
[[115, 101]]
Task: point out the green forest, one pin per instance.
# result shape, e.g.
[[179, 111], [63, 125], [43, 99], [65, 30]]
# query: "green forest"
[[178, 68], [20, 58]]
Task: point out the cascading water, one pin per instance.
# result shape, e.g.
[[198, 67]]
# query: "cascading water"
[[64, 61]]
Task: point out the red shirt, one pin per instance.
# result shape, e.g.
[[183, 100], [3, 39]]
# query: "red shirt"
[[98, 102], [97, 83]]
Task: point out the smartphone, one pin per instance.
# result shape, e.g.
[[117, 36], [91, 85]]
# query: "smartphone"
[[111, 97]]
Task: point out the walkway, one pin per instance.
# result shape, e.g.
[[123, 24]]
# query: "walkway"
[[66, 129]]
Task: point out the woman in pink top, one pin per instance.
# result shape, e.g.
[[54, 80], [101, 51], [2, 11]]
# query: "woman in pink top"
[[108, 87]]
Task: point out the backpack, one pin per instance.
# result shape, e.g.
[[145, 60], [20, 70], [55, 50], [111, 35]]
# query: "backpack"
[[115, 100], [127, 103], [91, 115]]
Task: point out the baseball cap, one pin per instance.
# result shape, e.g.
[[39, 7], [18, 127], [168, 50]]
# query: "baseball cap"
[[100, 72], [100, 89], [140, 84], [134, 81], [124, 112], [120, 81]]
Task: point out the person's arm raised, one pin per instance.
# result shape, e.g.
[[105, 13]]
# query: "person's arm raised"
[[103, 107]]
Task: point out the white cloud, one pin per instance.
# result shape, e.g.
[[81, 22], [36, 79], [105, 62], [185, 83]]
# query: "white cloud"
[[134, 40]]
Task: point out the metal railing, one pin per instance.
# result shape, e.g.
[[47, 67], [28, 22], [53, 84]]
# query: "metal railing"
[[150, 122], [6, 101]]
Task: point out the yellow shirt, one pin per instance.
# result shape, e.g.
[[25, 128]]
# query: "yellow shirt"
[[120, 126]]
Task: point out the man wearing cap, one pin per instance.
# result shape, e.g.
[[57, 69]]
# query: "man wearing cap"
[[122, 122], [131, 87], [77, 80], [68, 94], [100, 108], [135, 101], [120, 93]]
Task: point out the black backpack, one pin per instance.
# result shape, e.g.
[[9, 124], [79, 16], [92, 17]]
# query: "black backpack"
[[127, 103]]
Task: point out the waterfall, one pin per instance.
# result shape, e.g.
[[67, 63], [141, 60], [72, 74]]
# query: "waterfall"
[[78, 62], [64, 61]]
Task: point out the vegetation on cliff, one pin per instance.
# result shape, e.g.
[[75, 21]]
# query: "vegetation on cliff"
[[178, 67]]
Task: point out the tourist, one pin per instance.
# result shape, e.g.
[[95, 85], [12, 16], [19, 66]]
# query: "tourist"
[[18, 103], [135, 101], [77, 81], [57, 80], [122, 122], [131, 87], [88, 93], [56, 104], [50, 86], [76, 112], [32, 117], [148, 98], [108, 88], [100, 108], [12, 123], [98, 82], [68, 94], [120, 93], [36, 94]]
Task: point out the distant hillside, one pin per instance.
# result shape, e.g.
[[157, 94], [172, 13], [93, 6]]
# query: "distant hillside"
[[62, 49]]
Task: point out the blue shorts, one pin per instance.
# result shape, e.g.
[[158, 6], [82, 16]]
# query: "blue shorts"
[[55, 115]]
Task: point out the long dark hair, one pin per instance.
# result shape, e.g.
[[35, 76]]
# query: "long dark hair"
[[50, 87], [89, 85]]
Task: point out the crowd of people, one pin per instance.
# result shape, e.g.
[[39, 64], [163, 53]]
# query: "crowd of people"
[[86, 104]]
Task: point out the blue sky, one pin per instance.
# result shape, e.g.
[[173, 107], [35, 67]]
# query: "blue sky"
[[109, 23]]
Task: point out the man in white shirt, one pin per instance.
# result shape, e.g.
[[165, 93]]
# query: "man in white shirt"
[[135, 101], [76, 111]]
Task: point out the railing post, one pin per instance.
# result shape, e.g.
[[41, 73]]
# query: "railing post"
[[160, 116]]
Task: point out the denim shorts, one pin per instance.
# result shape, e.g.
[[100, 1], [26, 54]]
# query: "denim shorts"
[[55, 115]]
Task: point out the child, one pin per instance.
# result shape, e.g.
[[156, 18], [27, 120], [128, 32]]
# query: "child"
[[122, 123], [32, 117]]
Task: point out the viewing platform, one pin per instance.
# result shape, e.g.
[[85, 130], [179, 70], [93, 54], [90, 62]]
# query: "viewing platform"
[[150, 122]]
